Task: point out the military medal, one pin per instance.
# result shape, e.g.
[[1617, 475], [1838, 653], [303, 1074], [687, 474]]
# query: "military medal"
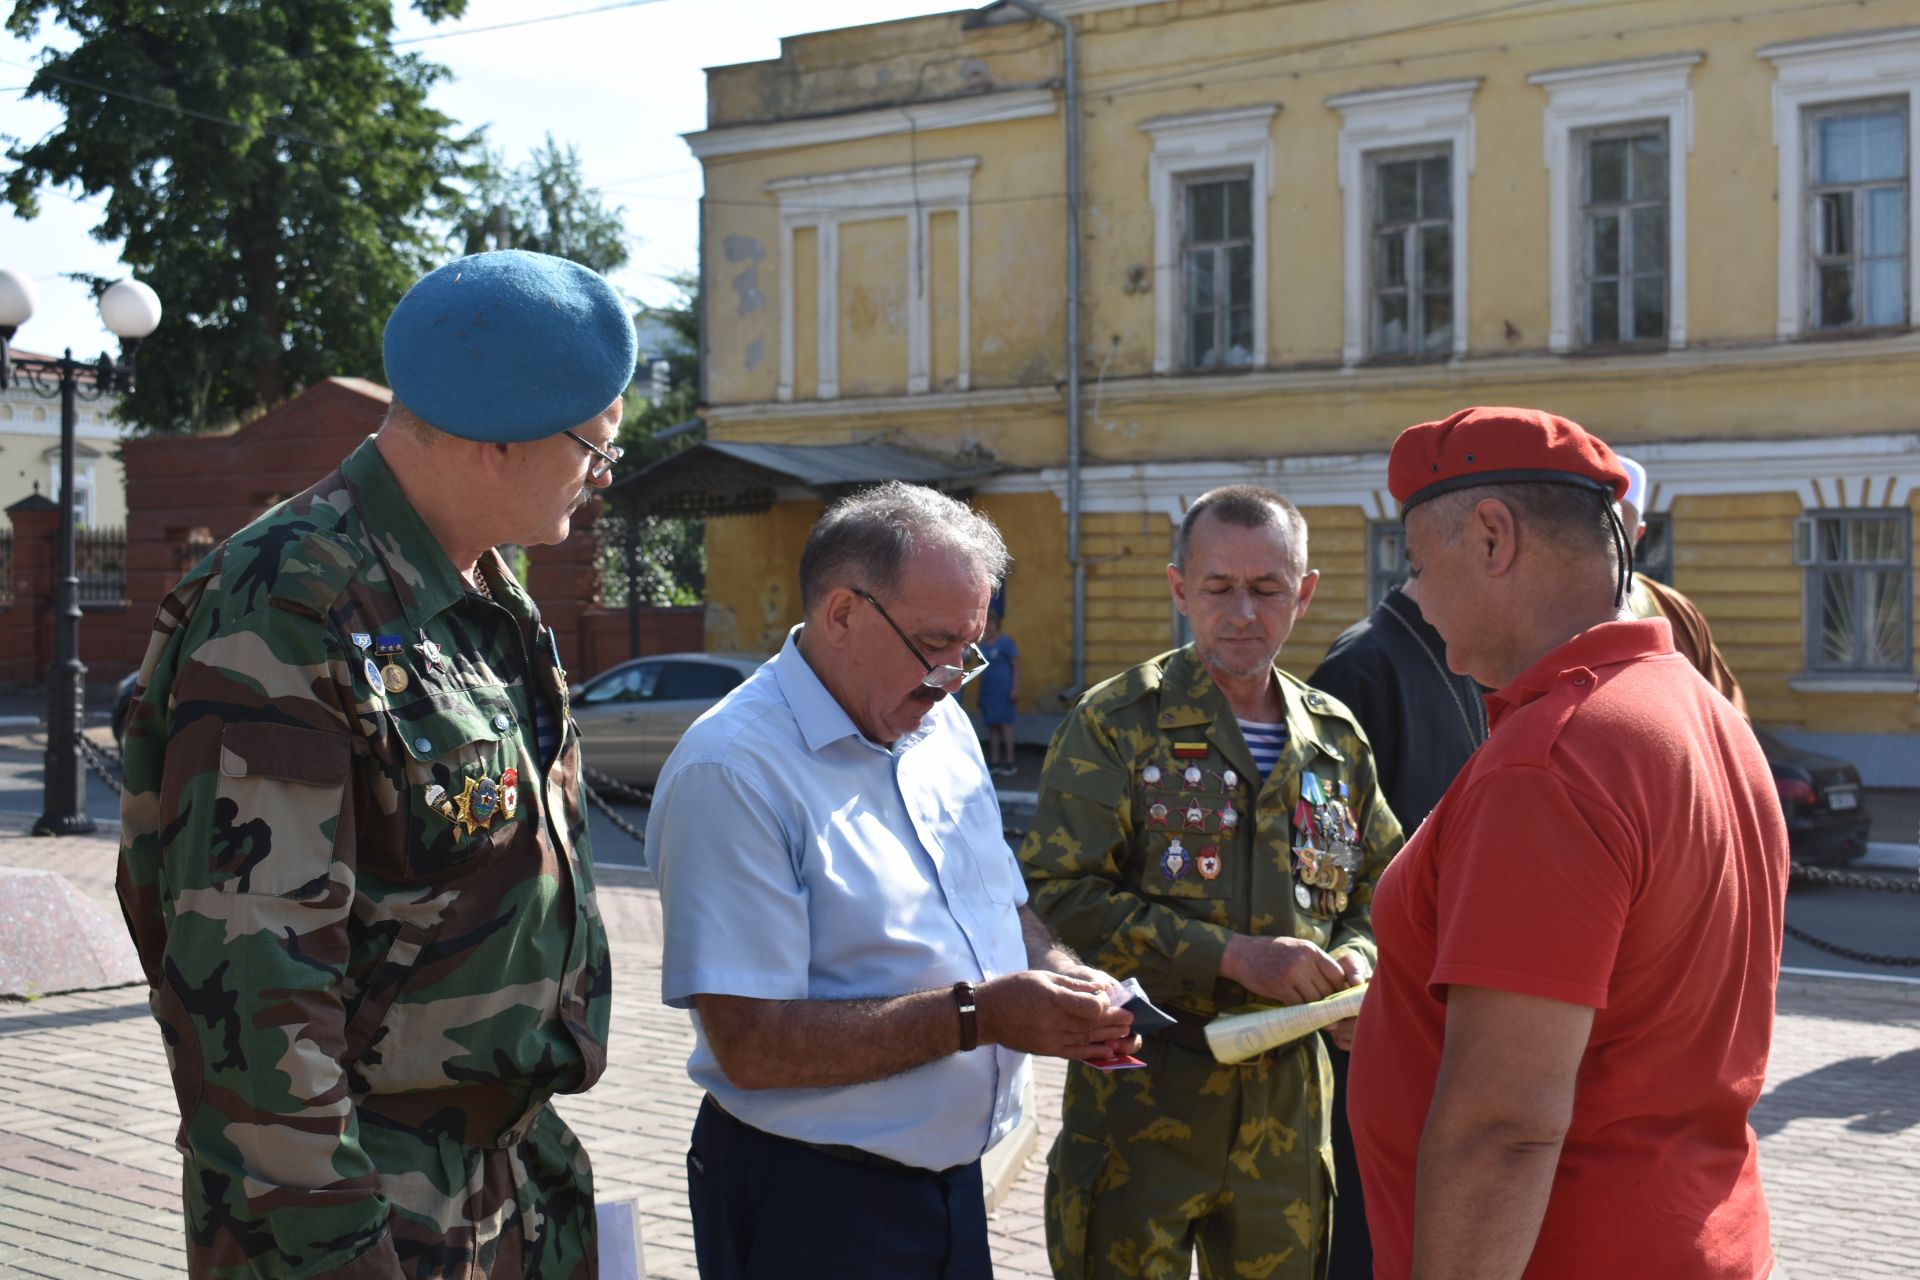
[[373, 673], [388, 646], [1229, 819], [1196, 819], [1230, 780], [1151, 775], [1208, 863], [428, 649], [509, 794], [1301, 896], [1192, 775], [474, 806], [361, 639], [437, 801], [1189, 751], [1156, 815], [394, 677], [1175, 862]]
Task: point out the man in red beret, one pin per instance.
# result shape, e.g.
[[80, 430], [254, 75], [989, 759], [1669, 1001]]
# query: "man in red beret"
[[1578, 949]]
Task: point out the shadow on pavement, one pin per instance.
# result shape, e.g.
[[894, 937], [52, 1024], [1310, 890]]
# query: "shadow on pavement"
[[1873, 1095]]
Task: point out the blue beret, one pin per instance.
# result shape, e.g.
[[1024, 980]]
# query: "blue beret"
[[509, 346]]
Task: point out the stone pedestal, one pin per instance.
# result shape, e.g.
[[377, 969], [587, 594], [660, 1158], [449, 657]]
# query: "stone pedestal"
[[54, 938]]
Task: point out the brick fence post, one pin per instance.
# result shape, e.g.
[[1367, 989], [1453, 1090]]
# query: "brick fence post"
[[563, 581], [28, 625]]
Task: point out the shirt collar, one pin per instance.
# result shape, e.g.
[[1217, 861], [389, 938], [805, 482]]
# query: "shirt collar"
[[821, 718], [424, 580], [1608, 645]]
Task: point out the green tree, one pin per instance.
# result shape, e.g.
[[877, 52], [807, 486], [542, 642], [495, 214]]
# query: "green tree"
[[671, 559], [549, 209], [274, 170]]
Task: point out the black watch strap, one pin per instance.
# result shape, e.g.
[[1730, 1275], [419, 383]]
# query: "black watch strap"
[[963, 998]]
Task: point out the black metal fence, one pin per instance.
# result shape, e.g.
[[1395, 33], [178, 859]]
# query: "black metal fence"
[[100, 563]]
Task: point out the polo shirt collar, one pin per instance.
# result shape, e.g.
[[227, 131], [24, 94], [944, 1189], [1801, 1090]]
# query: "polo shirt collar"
[[1608, 645], [423, 579], [821, 718]]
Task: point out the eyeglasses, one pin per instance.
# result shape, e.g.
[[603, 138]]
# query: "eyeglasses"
[[945, 678], [603, 458]]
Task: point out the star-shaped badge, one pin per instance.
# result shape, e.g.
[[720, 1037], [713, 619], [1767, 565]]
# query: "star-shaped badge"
[[428, 650]]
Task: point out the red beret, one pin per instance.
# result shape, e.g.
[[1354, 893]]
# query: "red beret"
[[1499, 446]]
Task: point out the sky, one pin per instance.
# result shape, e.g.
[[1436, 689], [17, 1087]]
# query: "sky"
[[621, 85]]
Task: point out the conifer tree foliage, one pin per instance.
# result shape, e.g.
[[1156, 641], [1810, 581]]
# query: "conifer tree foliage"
[[274, 170]]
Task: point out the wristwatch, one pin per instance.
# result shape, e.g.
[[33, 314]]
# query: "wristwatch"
[[969, 1016]]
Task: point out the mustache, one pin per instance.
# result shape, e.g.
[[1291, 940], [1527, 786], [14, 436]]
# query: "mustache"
[[927, 694]]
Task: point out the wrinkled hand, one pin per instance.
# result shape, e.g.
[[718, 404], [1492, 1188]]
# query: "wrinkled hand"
[[1290, 970], [1358, 971], [1054, 1014]]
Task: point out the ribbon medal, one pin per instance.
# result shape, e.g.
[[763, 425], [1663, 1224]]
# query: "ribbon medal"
[[388, 646], [1174, 863], [1189, 751], [1208, 863]]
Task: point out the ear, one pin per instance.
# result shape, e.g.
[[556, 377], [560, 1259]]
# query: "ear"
[[1177, 583], [1308, 581], [836, 616], [1495, 536]]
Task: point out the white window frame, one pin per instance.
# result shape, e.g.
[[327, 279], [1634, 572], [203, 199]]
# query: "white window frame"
[[1646, 90], [824, 202], [84, 465], [1398, 120], [1833, 71], [1195, 146]]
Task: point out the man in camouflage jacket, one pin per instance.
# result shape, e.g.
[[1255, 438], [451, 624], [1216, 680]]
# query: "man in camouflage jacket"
[[355, 858], [1163, 851]]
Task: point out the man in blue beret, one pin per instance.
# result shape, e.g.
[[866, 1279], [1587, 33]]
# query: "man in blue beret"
[[355, 856]]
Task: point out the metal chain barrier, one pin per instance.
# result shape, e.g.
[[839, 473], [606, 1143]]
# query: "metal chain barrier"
[[104, 761], [1853, 880], [616, 788]]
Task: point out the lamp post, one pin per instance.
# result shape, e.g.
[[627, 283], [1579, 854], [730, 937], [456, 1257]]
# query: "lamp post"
[[131, 311]]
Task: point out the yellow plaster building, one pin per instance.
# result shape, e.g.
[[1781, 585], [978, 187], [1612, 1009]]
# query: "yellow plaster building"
[[1305, 224]]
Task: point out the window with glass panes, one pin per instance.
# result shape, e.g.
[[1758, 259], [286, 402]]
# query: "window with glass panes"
[[1623, 216], [1216, 244], [1412, 255], [1858, 206], [1859, 580], [1386, 558]]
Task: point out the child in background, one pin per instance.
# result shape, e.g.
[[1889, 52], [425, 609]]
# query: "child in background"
[[999, 689]]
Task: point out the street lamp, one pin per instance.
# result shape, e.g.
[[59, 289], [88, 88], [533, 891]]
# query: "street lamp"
[[131, 311]]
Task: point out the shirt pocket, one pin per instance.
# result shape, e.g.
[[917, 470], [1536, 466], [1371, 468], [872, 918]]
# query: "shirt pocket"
[[276, 811], [1182, 849], [985, 836], [461, 778]]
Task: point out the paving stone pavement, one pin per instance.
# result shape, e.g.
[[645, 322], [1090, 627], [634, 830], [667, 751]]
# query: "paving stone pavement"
[[88, 1174]]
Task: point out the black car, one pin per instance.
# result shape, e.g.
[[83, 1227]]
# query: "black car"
[[1827, 819]]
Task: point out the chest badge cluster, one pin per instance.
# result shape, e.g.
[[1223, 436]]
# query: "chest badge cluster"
[[478, 803], [1183, 799], [1326, 847]]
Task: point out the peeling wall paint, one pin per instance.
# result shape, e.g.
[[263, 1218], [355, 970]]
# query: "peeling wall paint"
[[749, 250]]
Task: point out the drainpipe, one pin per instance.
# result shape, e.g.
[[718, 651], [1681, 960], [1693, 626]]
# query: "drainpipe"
[[1072, 76]]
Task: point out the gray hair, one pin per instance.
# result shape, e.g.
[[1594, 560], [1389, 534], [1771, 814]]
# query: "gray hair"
[[403, 420], [863, 541], [1250, 507], [1571, 518]]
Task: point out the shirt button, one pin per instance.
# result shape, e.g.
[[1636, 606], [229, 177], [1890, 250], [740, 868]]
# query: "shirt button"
[[422, 745], [501, 722]]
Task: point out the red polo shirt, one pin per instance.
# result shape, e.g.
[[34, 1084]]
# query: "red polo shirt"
[[1616, 843]]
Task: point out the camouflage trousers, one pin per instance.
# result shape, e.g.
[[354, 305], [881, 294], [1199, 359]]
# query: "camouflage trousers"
[[457, 1212], [1152, 1164]]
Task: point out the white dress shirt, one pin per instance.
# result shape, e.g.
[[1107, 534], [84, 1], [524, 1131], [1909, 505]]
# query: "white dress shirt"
[[799, 861]]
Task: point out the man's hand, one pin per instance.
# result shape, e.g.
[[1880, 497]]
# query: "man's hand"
[[1054, 1015], [1290, 970], [1358, 971]]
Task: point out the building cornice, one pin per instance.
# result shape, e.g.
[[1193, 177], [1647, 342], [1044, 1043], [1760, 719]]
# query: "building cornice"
[[854, 126]]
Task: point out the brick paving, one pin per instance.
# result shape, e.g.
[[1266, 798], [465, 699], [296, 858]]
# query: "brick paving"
[[88, 1172]]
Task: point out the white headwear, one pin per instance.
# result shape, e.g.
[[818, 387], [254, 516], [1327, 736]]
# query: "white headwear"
[[1636, 483]]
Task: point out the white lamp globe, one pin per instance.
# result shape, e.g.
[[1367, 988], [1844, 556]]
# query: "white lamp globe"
[[18, 298], [130, 309]]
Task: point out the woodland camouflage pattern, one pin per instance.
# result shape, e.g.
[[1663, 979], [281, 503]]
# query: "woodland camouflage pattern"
[[366, 1006], [1233, 1158]]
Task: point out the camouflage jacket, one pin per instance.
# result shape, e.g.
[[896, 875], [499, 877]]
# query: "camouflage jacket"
[[1155, 841], [352, 883]]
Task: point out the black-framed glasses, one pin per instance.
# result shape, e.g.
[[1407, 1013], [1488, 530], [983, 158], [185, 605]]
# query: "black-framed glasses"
[[603, 458], [945, 677]]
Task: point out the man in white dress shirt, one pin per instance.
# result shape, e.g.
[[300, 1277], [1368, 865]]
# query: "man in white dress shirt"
[[847, 923]]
